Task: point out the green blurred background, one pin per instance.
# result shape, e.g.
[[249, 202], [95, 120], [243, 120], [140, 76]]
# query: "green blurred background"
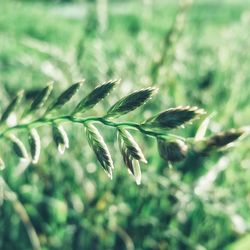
[[197, 53]]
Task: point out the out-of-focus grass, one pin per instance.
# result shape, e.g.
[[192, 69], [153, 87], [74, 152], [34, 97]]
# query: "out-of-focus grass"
[[70, 201]]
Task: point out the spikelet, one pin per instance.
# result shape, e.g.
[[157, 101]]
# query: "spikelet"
[[94, 97], [172, 151], [173, 117], [35, 145], [60, 138], [12, 106], [65, 96], [41, 98], [19, 148], [217, 141], [100, 148], [131, 102], [131, 153]]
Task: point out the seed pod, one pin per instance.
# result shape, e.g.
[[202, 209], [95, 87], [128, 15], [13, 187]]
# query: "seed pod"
[[65, 96], [94, 97], [19, 148], [173, 151], [35, 145], [100, 148], [41, 97], [173, 118], [131, 102], [12, 106], [60, 138], [217, 141]]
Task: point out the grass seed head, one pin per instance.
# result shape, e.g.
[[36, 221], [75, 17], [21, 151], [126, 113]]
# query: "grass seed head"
[[41, 97], [217, 141], [131, 102], [12, 106], [95, 96], [100, 148], [35, 145], [174, 117], [19, 148], [131, 145], [173, 151], [65, 96], [60, 138]]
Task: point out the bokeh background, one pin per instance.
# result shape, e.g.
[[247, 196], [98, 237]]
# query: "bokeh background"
[[197, 53]]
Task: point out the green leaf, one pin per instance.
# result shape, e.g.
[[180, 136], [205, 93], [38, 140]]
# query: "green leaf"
[[100, 148], [94, 97], [60, 138], [131, 102], [41, 97], [12, 106], [35, 145], [65, 96], [173, 118]]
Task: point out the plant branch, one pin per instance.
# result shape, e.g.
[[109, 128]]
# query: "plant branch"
[[66, 118]]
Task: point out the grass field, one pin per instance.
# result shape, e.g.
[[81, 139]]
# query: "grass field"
[[197, 55]]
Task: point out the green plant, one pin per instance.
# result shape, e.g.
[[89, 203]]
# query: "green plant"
[[172, 147]]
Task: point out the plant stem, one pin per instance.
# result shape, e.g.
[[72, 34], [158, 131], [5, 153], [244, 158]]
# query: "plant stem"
[[61, 119], [22, 213]]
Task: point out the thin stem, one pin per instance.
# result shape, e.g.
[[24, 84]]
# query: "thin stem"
[[61, 119], [20, 210], [170, 38]]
